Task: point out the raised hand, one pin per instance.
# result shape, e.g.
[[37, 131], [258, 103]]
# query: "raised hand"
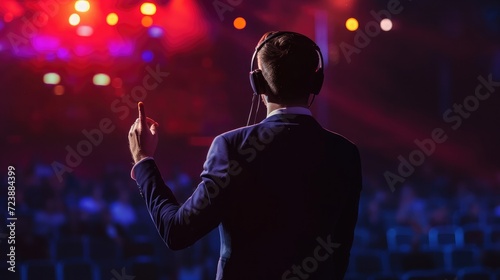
[[143, 136]]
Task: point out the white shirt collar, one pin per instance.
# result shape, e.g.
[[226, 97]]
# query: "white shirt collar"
[[291, 110]]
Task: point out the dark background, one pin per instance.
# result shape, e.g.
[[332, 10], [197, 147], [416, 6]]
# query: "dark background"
[[384, 97]]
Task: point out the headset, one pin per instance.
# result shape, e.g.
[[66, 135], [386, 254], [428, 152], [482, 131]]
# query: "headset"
[[258, 83], [257, 80]]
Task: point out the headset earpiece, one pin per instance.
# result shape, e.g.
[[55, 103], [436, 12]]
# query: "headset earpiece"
[[257, 82]]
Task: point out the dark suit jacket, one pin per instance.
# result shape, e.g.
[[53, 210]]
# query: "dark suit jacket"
[[284, 193]]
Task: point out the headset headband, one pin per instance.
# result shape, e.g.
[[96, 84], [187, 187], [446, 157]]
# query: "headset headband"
[[279, 33]]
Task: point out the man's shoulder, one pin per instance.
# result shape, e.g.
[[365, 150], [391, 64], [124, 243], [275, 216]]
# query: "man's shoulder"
[[340, 137], [239, 131]]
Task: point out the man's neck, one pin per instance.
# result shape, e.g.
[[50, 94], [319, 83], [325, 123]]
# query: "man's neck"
[[274, 106]]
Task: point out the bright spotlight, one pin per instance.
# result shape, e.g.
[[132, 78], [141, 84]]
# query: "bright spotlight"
[[51, 78], [239, 23], [147, 21], [82, 6], [386, 24], [112, 19], [85, 31], [101, 79], [148, 9], [352, 24], [74, 19], [155, 31], [147, 56]]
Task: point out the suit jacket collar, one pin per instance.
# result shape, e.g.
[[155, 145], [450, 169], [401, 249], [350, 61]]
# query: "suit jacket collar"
[[292, 119], [291, 110]]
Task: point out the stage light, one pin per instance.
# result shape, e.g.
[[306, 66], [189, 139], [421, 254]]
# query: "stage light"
[[148, 9], [51, 78], [101, 79], [352, 24], [85, 31], [147, 56], [147, 21], [74, 19], [82, 6], [386, 24], [155, 31], [239, 23], [112, 19], [59, 90], [63, 54]]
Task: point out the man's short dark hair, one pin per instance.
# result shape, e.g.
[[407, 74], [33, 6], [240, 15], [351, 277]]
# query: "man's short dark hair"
[[288, 63]]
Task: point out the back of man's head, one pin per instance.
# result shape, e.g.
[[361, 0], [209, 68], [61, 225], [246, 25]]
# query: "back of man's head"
[[289, 63]]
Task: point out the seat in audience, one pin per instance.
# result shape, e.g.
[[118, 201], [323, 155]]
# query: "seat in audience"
[[354, 276], [384, 276], [144, 267], [139, 246], [490, 258], [78, 270], [493, 236], [109, 269], [442, 236], [419, 275], [361, 237], [434, 274], [399, 238], [474, 234], [38, 270], [71, 248], [458, 257], [475, 273], [101, 248], [427, 259], [369, 262]]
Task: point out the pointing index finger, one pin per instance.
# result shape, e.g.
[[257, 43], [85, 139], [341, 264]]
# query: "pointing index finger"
[[142, 113]]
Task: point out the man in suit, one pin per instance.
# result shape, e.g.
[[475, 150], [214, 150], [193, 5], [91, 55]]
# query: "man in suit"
[[284, 192]]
